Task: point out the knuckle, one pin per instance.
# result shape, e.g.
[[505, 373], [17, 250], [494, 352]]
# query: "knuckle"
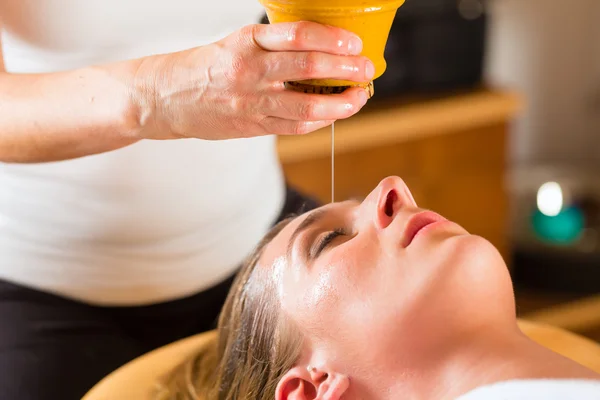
[[268, 65], [300, 128], [241, 106], [310, 64], [299, 33], [266, 103], [250, 32], [250, 38], [238, 63], [264, 126], [237, 67], [307, 110]]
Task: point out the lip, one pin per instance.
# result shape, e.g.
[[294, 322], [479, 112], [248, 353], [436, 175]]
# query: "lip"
[[417, 223]]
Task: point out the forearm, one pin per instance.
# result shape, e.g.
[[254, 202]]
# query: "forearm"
[[232, 89], [65, 115]]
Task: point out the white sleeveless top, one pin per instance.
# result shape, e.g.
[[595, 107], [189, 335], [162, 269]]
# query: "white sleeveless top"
[[537, 389], [151, 222]]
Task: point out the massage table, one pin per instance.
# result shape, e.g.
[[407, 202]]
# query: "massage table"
[[135, 380]]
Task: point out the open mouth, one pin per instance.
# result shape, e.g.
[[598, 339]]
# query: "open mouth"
[[417, 223]]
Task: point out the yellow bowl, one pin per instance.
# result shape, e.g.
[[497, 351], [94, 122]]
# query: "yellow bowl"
[[371, 20]]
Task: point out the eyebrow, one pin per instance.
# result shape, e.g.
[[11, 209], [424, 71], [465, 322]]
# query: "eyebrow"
[[310, 220]]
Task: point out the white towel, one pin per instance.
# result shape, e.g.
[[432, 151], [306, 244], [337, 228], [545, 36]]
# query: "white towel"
[[538, 389]]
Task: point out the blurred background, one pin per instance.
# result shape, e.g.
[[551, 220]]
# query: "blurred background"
[[490, 110]]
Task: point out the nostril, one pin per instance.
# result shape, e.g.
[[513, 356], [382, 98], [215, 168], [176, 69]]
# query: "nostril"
[[389, 203]]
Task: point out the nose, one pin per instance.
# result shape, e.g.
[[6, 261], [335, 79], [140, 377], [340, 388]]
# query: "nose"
[[387, 199]]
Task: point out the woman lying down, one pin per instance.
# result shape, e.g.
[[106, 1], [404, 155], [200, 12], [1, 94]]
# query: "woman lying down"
[[376, 300]]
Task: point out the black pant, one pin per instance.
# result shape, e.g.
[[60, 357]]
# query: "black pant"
[[52, 348]]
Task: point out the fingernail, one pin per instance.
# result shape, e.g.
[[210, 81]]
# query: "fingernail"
[[369, 70], [363, 97], [355, 45]]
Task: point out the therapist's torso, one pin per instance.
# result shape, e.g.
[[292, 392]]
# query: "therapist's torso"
[[150, 222]]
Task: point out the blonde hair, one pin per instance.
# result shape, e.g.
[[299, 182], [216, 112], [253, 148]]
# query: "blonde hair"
[[256, 343]]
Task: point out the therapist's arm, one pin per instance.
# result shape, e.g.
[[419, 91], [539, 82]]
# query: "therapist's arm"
[[229, 89], [50, 117]]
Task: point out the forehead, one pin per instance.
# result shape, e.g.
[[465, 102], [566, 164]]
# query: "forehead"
[[277, 247]]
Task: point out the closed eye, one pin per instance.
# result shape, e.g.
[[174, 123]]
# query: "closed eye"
[[326, 240]]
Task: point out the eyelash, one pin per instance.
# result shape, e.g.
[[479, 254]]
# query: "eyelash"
[[327, 239]]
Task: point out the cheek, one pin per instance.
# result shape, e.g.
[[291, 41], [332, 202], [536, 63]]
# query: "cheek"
[[335, 291], [350, 284], [310, 296], [356, 271], [321, 292]]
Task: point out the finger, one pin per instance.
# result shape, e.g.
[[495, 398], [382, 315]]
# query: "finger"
[[295, 66], [285, 127], [297, 106], [306, 36]]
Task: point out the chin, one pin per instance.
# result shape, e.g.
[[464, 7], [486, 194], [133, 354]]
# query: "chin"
[[476, 263], [472, 250], [466, 273]]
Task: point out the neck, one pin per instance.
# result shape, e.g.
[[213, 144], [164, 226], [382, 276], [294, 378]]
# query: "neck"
[[478, 358]]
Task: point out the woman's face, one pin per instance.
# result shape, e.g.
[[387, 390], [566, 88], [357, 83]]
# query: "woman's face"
[[381, 275]]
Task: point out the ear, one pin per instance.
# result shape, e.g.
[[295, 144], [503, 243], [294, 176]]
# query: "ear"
[[306, 383]]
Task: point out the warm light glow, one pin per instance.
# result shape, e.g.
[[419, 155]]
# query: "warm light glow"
[[550, 199]]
